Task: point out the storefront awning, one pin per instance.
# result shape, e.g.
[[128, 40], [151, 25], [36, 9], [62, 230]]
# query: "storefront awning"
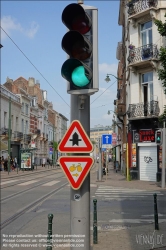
[[3, 146]]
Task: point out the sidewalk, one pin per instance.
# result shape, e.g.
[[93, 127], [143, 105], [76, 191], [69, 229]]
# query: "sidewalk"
[[118, 180], [142, 237]]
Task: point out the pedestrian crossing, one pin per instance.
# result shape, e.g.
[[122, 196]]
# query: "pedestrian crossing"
[[117, 193]]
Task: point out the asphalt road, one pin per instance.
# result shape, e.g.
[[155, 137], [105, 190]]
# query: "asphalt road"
[[26, 203]]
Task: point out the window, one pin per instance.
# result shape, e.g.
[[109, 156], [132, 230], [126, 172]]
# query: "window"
[[16, 123], [26, 109], [26, 128], [146, 33], [22, 126], [22, 108], [147, 90], [5, 119]]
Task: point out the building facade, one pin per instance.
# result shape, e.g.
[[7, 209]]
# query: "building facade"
[[145, 96], [16, 134], [38, 124]]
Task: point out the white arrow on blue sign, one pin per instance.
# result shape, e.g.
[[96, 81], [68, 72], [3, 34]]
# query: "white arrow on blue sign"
[[107, 139]]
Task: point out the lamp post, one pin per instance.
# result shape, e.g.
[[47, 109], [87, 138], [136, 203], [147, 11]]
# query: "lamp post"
[[9, 134], [107, 79]]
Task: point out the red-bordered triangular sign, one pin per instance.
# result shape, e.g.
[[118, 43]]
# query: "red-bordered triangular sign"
[[75, 140], [76, 168]]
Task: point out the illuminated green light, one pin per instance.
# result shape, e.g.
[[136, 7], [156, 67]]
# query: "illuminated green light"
[[78, 77]]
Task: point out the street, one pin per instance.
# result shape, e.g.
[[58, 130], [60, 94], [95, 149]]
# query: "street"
[[27, 199]]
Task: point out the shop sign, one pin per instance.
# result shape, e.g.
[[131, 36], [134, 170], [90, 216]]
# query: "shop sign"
[[147, 135]]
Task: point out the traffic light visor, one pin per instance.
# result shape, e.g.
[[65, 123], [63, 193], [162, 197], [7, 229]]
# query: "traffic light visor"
[[76, 72], [75, 18], [76, 46]]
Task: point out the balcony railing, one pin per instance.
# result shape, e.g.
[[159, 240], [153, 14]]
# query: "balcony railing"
[[137, 6], [4, 131], [18, 135], [38, 132], [149, 109], [143, 53], [27, 138]]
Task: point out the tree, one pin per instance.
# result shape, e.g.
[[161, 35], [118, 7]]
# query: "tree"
[[162, 57]]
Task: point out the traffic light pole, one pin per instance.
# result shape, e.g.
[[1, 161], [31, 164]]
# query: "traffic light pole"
[[9, 135], [163, 157], [80, 199]]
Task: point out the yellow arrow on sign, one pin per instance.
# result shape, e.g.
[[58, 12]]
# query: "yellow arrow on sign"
[[75, 174]]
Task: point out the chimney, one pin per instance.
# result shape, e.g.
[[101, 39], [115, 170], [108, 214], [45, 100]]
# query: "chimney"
[[31, 82]]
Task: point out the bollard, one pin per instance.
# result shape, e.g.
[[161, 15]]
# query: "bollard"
[[95, 240], [49, 237], [36, 166], [155, 213]]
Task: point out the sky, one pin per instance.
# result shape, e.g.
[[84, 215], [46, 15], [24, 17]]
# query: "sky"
[[33, 49]]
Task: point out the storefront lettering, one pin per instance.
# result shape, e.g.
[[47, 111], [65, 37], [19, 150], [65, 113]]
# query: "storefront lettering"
[[147, 135]]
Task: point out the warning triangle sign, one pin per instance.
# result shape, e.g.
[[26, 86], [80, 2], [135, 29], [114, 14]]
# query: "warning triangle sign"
[[76, 168], [75, 140]]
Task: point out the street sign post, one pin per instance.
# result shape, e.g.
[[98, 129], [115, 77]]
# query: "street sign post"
[[76, 169]]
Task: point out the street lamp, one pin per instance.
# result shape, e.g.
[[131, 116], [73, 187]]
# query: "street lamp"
[[107, 79]]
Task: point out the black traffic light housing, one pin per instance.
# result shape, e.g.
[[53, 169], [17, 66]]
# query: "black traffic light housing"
[[81, 44], [158, 137]]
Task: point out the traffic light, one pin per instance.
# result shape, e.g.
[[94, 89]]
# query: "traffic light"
[[159, 137], [81, 45]]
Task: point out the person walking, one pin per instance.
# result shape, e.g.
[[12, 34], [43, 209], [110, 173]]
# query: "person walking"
[[117, 166], [44, 162], [15, 162]]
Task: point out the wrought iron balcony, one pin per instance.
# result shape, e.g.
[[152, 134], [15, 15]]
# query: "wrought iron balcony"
[[27, 138], [145, 52], [5, 131], [137, 6], [18, 136], [149, 109], [38, 132]]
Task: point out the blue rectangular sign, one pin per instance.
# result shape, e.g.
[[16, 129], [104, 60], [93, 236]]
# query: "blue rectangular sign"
[[107, 139]]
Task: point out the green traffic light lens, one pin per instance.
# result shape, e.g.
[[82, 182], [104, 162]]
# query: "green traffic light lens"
[[79, 78]]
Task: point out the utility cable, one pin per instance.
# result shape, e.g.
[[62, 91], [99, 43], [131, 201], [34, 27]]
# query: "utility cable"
[[43, 75], [35, 67], [103, 92]]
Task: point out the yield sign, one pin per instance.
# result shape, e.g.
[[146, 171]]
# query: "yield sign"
[[76, 168], [75, 140]]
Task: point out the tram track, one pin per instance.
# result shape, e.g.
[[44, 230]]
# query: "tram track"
[[16, 183], [27, 173], [26, 190], [32, 205]]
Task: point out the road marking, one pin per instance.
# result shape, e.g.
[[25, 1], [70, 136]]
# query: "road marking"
[[5, 182], [136, 221], [27, 183], [51, 183], [113, 193]]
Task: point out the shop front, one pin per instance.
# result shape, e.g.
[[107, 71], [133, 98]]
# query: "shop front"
[[144, 155]]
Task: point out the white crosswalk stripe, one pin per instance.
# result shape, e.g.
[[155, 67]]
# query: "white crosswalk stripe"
[[113, 193]]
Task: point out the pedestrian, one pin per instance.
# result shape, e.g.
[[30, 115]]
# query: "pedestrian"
[[117, 166], [5, 164], [15, 162], [0, 164], [12, 163], [44, 162]]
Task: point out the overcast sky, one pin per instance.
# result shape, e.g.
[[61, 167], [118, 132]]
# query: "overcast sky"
[[36, 29]]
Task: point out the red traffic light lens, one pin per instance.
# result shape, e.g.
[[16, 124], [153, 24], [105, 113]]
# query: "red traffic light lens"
[[81, 24]]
